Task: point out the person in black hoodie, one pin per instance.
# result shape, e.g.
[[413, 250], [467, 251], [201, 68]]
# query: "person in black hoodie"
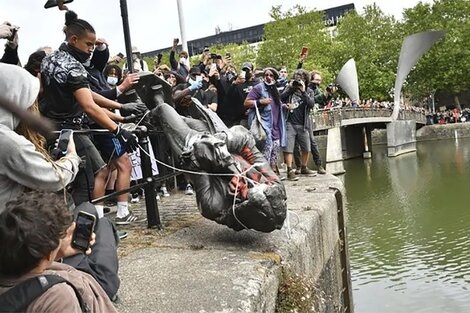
[[232, 110]]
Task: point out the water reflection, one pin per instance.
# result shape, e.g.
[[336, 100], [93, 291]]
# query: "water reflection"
[[408, 228]]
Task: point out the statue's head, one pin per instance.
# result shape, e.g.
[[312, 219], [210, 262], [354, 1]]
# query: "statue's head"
[[265, 209]]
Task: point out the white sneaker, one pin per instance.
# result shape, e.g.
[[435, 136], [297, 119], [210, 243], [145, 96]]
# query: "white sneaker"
[[164, 192], [189, 190]]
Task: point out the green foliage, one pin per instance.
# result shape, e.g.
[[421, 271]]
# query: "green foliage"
[[288, 33], [373, 40], [445, 66], [238, 53]]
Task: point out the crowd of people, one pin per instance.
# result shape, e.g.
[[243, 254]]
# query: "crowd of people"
[[80, 87]]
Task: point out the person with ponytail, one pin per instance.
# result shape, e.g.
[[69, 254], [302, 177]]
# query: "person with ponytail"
[[68, 101]]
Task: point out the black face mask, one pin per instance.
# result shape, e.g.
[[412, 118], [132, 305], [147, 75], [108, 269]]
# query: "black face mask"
[[78, 54], [247, 75], [205, 85]]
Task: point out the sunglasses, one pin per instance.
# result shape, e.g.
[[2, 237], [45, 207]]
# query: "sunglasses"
[[268, 75]]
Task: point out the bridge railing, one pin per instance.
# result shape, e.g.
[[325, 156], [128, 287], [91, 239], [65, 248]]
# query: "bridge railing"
[[325, 119]]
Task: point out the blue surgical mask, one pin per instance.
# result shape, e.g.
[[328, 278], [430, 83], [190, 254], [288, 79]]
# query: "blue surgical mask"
[[112, 80]]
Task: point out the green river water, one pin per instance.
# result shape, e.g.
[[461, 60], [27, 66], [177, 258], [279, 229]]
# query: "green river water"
[[409, 229]]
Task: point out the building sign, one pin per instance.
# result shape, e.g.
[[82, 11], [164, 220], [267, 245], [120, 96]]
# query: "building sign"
[[334, 15]]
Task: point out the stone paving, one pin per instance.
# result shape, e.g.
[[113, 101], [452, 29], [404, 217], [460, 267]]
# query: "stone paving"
[[176, 211]]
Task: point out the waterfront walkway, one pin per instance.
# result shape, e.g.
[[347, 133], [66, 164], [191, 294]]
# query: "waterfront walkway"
[[196, 265]]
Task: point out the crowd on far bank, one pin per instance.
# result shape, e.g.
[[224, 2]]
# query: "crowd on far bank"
[[448, 116]]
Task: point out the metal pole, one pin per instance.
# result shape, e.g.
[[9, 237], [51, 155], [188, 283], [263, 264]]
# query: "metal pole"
[[433, 104], [153, 216], [184, 43], [127, 35]]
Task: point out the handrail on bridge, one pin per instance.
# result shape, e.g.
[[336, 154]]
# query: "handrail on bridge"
[[333, 117]]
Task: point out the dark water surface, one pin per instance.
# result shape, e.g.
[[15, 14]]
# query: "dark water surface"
[[409, 229]]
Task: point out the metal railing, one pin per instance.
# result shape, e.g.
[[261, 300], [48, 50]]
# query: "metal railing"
[[329, 118]]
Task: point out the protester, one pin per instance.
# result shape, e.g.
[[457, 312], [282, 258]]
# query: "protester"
[[300, 101], [232, 110], [67, 97], [24, 163], [10, 32], [265, 97], [30, 250], [182, 66]]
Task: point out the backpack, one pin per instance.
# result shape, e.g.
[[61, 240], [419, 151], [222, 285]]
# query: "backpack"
[[18, 298]]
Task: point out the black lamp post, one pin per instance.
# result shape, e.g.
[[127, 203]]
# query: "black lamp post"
[[127, 35]]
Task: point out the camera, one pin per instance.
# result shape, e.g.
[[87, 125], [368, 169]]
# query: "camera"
[[296, 83], [331, 86]]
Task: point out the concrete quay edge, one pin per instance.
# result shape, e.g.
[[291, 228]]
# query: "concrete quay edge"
[[207, 267]]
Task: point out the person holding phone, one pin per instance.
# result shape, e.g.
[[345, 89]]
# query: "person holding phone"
[[30, 250], [181, 66], [10, 32], [26, 164]]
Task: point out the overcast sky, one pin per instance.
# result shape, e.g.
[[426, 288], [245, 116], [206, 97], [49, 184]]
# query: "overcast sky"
[[154, 23]]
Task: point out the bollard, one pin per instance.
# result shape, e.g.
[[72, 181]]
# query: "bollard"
[[153, 216]]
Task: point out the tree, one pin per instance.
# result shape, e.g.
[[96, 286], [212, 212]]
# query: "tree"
[[373, 39], [288, 33], [445, 66]]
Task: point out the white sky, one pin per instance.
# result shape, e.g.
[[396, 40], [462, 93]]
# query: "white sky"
[[154, 23]]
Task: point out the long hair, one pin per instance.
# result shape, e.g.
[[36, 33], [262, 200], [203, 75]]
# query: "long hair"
[[38, 141]]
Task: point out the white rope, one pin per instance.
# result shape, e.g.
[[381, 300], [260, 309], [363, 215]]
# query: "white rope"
[[239, 176], [288, 226]]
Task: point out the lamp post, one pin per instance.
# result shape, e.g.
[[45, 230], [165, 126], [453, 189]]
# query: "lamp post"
[[184, 43], [127, 35]]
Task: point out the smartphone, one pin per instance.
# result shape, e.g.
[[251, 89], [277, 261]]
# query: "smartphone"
[[84, 226], [13, 33], [304, 51], [120, 55], [228, 55], [64, 140]]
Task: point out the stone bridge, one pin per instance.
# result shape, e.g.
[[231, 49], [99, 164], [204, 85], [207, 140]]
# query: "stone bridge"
[[325, 119], [349, 132]]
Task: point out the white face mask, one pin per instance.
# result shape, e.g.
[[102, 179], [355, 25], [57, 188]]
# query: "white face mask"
[[112, 80], [184, 61]]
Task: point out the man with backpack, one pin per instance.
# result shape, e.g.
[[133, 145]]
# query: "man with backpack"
[[30, 278]]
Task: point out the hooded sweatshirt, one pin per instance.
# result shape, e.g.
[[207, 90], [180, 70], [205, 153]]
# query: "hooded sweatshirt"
[[21, 166]]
